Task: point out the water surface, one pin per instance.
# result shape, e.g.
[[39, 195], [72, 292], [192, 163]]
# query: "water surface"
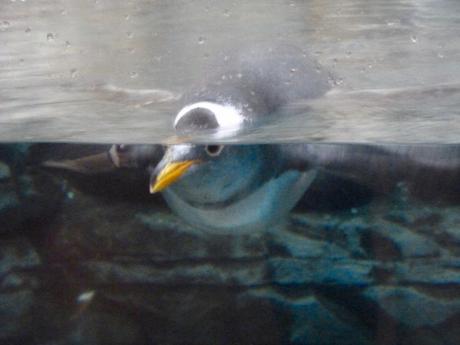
[[114, 71]]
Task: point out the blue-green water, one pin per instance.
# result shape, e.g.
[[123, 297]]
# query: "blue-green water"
[[90, 257]]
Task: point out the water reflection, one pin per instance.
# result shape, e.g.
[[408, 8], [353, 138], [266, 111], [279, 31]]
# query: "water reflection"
[[392, 64]]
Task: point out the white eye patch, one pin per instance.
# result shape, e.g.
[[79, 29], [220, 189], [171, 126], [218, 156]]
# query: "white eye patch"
[[227, 116]]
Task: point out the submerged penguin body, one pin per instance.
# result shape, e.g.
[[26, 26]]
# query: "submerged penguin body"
[[245, 188]]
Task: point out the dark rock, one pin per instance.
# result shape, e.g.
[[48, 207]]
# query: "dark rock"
[[449, 331], [412, 308], [383, 272], [202, 315], [379, 247], [17, 285], [303, 247], [15, 155], [320, 272], [438, 272], [333, 193], [350, 231], [25, 195], [310, 318], [94, 328], [40, 198], [5, 171], [451, 227], [205, 273], [392, 242], [9, 209], [344, 231], [15, 315], [305, 318], [16, 255]]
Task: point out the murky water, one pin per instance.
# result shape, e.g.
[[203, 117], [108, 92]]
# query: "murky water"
[[115, 71], [297, 243], [369, 255]]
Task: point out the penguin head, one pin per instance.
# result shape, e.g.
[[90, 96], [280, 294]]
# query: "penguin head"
[[194, 165], [208, 174]]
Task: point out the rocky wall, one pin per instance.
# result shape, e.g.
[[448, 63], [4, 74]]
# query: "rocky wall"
[[96, 260]]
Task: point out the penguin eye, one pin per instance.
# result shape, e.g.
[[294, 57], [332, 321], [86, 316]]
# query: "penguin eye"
[[213, 150]]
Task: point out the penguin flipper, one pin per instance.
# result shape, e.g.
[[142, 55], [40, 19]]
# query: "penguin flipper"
[[119, 156]]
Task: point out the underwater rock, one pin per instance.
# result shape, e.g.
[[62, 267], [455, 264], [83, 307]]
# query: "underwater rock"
[[25, 195], [392, 242], [451, 229], [14, 155], [350, 276], [94, 328], [288, 243], [15, 308], [9, 209], [184, 279], [329, 272], [17, 285], [9, 202], [432, 272], [5, 171], [308, 317], [411, 308], [309, 326]]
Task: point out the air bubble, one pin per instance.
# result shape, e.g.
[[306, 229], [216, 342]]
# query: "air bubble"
[[201, 40], [413, 38], [50, 37]]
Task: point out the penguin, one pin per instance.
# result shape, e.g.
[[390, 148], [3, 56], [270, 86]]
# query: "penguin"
[[246, 188], [239, 188], [242, 188]]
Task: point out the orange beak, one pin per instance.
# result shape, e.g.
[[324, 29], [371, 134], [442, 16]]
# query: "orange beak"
[[170, 174]]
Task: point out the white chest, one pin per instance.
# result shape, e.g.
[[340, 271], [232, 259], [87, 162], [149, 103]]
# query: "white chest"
[[256, 211]]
